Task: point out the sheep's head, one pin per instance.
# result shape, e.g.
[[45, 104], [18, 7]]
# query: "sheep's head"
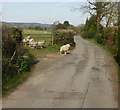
[[28, 37], [68, 45]]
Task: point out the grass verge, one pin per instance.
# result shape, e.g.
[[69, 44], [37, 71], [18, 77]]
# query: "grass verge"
[[107, 49], [100, 45], [39, 53]]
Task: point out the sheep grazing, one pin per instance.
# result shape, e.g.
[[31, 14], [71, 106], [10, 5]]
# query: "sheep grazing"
[[25, 41], [41, 44], [32, 44], [64, 49], [28, 37], [31, 40]]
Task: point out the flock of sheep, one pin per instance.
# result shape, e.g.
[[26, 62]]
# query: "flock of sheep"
[[33, 44], [40, 44]]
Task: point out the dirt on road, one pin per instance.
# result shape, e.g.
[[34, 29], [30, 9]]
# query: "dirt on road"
[[85, 78]]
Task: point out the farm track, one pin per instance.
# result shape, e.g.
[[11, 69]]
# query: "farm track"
[[85, 78]]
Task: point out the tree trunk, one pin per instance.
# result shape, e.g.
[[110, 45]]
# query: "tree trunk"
[[98, 24], [108, 21]]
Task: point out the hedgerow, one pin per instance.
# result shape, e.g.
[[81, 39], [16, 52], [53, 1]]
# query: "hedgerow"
[[14, 66], [64, 37]]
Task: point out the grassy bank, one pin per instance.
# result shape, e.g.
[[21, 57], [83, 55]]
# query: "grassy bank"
[[12, 81]]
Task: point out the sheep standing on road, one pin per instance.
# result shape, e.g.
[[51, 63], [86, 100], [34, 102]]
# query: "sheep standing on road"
[[64, 49]]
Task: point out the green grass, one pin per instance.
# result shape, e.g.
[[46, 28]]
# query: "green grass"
[[54, 48], [40, 37], [39, 53], [31, 31], [12, 83]]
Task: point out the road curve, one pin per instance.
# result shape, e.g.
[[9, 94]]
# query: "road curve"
[[85, 78]]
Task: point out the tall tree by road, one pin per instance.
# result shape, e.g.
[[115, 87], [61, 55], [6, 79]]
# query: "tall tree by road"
[[98, 9]]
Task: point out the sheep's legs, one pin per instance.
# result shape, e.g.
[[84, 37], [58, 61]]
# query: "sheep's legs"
[[65, 53], [60, 52]]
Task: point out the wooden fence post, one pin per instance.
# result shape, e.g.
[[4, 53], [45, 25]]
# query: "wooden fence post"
[[52, 39]]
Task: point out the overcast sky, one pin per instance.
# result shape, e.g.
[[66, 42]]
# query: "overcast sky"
[[43, 12]]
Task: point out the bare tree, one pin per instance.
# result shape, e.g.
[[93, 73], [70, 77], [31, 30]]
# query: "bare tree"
[[98, 9], [111, 16]]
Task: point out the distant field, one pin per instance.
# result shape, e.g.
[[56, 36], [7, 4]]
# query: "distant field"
[[28, 31], [36, 35], [40, 37]]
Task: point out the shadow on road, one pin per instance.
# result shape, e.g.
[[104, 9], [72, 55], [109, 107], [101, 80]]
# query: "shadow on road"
[[35, 62]]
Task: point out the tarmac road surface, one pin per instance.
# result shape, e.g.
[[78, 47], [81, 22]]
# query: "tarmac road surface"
[[85, 78]]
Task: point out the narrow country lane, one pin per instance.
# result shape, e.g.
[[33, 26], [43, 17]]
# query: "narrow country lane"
[[85, 78]]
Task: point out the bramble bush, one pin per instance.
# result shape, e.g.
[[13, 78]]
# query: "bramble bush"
[[111, 40], [99, 38]]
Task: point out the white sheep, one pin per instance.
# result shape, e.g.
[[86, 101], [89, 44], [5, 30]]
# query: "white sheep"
[[28, 37], [30, 40], [25, 41], [33, 44], [64, 48], [41, 44]]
